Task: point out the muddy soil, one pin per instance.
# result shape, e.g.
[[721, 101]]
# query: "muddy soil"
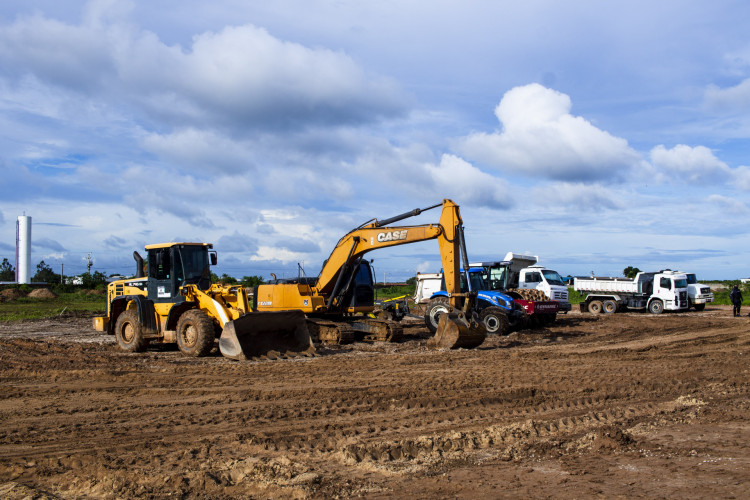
[[626, 405]]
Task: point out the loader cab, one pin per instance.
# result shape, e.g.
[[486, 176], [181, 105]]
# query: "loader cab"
[[173, 265]]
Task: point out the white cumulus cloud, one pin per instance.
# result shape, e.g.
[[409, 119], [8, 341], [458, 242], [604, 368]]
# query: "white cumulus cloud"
[[689, 164], [540, 136]]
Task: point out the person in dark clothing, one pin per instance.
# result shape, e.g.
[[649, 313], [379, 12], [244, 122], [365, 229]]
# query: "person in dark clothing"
[[736, 297]]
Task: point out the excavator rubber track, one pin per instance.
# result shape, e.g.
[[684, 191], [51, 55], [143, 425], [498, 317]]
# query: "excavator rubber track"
[[324, 331], [267, 335], [378, 330], [455, 331]]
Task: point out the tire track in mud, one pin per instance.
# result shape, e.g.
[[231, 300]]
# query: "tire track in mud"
[[366, 407]]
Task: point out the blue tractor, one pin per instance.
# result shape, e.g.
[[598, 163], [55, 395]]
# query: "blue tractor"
[[498, 312]]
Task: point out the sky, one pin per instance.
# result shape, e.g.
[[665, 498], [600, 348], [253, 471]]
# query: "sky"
[[596, 135]]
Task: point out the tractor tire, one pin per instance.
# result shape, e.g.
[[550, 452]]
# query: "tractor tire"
[[129, 332], [595, 306], [435, 308], [656, 307], [609, 307], [495, 321], [195, 333]]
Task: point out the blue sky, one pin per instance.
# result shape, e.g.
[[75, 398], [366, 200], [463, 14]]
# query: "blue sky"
[[597, 135]]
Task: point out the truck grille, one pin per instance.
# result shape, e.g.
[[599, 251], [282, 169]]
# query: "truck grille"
[[560, 296], [705, 290]]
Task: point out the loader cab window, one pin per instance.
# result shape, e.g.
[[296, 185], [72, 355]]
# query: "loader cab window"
[[159, 264], [194, 266], [161, 278]]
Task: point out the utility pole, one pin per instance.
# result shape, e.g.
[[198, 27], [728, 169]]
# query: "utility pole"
[[62, 273], [89, 262]]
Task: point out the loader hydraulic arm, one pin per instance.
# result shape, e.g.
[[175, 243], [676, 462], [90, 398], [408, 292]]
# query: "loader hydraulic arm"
[[377, 234]]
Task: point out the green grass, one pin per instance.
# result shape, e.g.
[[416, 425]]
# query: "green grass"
[[394, 291], [33, 308]]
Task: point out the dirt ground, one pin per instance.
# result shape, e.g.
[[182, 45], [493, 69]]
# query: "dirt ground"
[[627, 405]]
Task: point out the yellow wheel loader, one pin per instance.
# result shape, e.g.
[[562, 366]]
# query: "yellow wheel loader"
[[337, 303], [175, 302]]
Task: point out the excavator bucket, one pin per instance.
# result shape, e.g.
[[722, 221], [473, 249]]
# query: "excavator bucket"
[[267, 335], [455, 331]]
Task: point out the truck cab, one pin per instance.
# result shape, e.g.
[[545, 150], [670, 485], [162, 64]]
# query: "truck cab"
[[671, 288], [698, 294]]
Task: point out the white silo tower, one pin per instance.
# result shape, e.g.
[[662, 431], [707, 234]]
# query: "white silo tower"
[[23, 249]]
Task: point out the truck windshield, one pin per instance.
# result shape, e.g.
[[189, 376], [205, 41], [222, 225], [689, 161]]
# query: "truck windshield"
[[680, 283], [553, 278], [691, 279]]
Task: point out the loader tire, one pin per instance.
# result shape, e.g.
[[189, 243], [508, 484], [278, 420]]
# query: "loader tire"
[[129, 332], [195, 333], [435, 308], [495, 321]]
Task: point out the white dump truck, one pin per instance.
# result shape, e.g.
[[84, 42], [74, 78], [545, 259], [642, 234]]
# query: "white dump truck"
[[518, 272], [698, 294], [656, 291]]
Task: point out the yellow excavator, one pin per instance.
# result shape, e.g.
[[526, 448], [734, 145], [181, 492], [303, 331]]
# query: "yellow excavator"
[[175, 302], [338, 301]]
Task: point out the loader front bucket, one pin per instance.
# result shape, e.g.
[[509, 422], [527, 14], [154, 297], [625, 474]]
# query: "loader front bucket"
[[455, 331], [266, 335]]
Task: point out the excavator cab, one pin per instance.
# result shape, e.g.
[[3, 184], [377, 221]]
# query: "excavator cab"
[[361, 292]]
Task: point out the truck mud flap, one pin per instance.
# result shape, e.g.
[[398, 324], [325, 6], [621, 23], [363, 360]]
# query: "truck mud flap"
[[454, 331], [267, 335]]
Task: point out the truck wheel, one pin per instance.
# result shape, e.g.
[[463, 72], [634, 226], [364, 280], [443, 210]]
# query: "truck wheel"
[[435, 308], [595, 306], [129, 332], [495, 321], [699, 307], [609, 306], [656, 307], [195, 333]]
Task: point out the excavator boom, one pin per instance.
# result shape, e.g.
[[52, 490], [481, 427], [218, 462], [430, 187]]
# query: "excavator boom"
[[331, 293]]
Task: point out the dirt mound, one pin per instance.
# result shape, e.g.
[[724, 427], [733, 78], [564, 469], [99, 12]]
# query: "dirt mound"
[[11, 294], [42, 293], [95, 292]]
